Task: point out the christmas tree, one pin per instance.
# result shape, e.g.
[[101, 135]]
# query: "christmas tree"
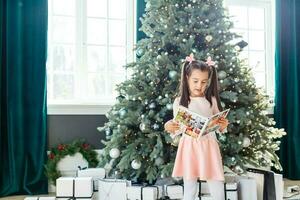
[[136, 145]]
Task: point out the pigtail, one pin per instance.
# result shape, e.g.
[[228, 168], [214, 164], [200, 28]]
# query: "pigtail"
[[184, 87], [212, 88]]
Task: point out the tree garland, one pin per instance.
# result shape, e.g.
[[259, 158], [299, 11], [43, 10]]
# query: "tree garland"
[[62, 150]]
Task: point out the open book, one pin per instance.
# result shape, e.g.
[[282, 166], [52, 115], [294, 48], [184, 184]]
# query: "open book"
[[195, 125]]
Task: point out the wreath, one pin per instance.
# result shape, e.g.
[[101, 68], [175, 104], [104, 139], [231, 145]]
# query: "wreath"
[[62, 150]]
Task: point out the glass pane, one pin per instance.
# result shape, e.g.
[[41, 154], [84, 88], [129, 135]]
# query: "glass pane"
[[117, 59], [63, 58], [96, 8], [96, 85], [257, 60], [260, 78], [63, 7], [238, 15], [116, 79], [256, 18], [244, 56], [63, 86], [117, 9], [63, 29], [256, 40], [117, 32], [96, 58], [96, 31], [49, 84]]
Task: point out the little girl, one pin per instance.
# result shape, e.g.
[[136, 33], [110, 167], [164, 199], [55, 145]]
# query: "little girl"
[[199, 158]]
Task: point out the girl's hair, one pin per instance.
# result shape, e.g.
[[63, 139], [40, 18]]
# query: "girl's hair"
[[212, 83]]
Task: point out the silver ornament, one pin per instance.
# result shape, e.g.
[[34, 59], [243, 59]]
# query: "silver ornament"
[[135, 164], [246, 142], [114, 153]]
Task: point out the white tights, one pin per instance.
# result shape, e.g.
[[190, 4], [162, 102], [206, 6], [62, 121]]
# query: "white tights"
[[216, 189]]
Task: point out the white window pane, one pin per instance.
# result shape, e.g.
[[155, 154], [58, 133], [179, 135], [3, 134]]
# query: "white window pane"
[[256, 18], [116, 79], [117, 32], [256, 40], [117, 59], [96, 58], [96, 8], [96, 85], [49, 83], [257, 60], [239, 16], [96, 31], [64, 7], [63, 29], [260, 79], [117, 9], [63, 86], [63, 58], [244, 56]]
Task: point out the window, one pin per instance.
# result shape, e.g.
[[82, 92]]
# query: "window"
[[89, 42], [254, 20]]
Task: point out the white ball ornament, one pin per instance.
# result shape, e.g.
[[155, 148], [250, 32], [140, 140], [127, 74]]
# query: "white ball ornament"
[[246, 142], [135, 164], [114, 153]]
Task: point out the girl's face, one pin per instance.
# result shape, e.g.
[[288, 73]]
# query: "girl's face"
[[197, 82]]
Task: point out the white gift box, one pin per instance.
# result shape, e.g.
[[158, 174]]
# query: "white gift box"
[[95, 173], [259, 178], [112, 189], [152, 192], [231, 191], [64, 187], [74, 187], [39, 198], [247, 188], [174, 191], [134, 192], [83, 187], [93, 197], [204, 187]]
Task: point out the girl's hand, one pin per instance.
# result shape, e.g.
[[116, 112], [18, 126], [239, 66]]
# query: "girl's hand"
[[223, 123], [171, 126]]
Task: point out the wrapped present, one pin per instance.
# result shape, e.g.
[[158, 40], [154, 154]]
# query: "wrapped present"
[[112, 189], [231, 191], [230, 188], [247, 188], [64, 187], [95, 173], [203, 186], [83, 187], [173, 191], [152, 192], [269, 184], [39, 198], [74, 187], [134, 192]]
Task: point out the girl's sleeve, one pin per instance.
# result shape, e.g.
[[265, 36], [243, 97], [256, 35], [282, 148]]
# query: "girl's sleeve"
[[215, 111], [175, 106], [215, 106]]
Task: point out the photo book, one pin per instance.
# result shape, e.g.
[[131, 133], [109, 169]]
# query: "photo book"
[[195, 125]]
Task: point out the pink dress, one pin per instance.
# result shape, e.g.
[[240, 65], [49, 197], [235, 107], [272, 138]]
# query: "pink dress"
[[199, 158]]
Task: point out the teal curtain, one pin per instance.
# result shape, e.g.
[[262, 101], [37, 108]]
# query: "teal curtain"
[[287, 101], [23, 138], [140, 10]]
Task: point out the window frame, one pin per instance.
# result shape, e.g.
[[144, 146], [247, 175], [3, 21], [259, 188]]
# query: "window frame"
[[269, 5], [91, 108]]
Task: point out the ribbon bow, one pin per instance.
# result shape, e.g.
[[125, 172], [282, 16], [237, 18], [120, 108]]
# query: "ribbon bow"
[[209, 62], [190, 58]]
